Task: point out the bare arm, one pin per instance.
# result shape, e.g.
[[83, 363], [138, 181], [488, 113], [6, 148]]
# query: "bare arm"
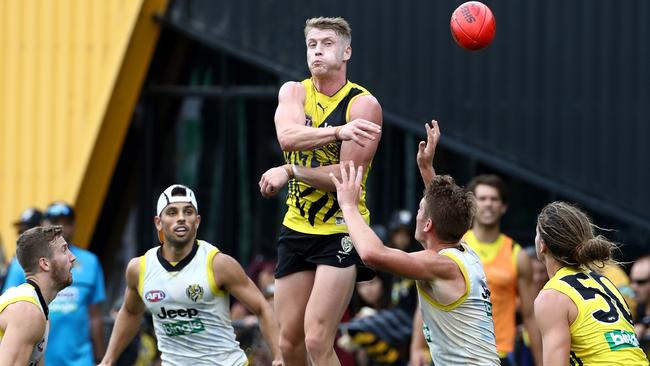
[[97, 331], [232, 277], [25, 328], [552, 315], [527, 299], [127, 323], [294, 135], [419, 348], [424, 265], [365, 110], [426, 151]]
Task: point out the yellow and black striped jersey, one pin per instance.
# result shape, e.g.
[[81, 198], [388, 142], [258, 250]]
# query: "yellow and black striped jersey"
[[602, 333], [311, 210]]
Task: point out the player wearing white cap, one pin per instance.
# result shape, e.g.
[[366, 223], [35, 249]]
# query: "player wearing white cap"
[[185, 283]]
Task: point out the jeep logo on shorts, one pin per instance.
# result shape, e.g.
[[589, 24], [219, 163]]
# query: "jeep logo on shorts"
[[154, 296], [194, 292], [346, 244], [171, 314]]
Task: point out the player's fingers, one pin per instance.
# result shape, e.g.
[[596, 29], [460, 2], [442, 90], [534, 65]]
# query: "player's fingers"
[[421, 146], [358, 141], [336, 182], [436, 127], [365, 135], [357, 181], [344, 174], [429, 134], [369, 126], [352, 174]]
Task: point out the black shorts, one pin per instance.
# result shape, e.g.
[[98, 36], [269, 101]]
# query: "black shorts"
[[299, 252]]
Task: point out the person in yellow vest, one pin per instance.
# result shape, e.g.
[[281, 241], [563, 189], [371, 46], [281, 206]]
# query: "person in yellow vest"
[[583, 317], [320, 122], [508, 269]]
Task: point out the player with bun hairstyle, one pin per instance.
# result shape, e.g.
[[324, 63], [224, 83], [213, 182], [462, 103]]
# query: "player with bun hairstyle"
[[581, 314]]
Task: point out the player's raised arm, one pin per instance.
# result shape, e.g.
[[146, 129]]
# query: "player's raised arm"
[[422, 265], [25, 328], [127, 323]]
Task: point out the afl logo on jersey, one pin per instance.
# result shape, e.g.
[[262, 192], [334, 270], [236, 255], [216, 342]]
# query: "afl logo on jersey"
[[154, 296], [194, 292]]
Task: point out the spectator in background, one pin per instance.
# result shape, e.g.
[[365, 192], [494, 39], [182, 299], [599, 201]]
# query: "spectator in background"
[[640, 279], [77, 334], [620, 279], [507, 267], [368, 333], [401, 232], [31, 217]]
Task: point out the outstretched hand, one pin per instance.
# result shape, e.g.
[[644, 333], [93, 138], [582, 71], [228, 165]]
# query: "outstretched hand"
[[426, 150], [348, 190]]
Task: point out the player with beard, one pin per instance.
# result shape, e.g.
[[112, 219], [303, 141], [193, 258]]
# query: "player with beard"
[[186, 283], [24, 324], [508, 269]]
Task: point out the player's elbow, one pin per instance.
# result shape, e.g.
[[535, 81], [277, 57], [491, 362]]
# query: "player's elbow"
[[369, 257], [287, 143], [263, 310]]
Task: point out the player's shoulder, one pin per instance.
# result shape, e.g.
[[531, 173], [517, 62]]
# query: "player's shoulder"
[[366, 106], [292, 90], [26, 312], [552, 301], [134, 266], [367, 101]]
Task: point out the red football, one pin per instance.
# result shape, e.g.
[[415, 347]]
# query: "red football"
[[473, 25]]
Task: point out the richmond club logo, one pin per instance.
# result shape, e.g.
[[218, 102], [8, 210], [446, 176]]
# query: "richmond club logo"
[[346, 244], [194, 292], [154, 296]]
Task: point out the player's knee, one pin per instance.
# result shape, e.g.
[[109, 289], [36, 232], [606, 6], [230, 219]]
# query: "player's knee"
[[317, 344], [291, 346]]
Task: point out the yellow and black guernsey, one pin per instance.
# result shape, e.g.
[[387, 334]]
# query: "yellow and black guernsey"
[[602, 333], [311, 210]]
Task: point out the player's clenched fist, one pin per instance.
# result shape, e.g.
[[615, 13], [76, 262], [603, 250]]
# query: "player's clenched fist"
[[273, 180]]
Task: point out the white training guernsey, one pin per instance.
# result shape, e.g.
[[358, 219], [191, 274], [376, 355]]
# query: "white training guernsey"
[[191, 315], [29, 293], [461, 333]]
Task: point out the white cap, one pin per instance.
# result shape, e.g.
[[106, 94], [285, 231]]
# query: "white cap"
[[166, 198]]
